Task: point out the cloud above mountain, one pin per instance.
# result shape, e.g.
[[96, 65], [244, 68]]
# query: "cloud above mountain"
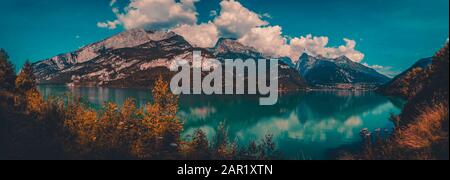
[[233, 20], [203, 35], [153, 14], [317, 46], [386, 70]]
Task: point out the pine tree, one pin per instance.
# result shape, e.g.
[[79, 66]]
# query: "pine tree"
[[7, 72], [200, 146], [223, 148], [166, 105], [160, 128], [26, 80]]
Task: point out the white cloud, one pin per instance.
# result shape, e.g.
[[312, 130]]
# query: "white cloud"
[[239, 22], [373, 66], [268, 40], [386, 70], [203, 35], [109, 24], [267, 15], [312, 45], [235, 20], [232, 20], [317, 46], [154, 14]]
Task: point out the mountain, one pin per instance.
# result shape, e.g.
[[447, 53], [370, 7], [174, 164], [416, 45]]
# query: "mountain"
[[131, 38], [339, 72], [408, 83], [289, 79], [135, 58], [227, 48]]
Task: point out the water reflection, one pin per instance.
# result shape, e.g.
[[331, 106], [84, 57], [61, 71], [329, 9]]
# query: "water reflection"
[[305, 125]]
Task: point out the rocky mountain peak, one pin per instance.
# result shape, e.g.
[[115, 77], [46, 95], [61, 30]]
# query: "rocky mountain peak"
[[130, 38], [329, 71], [232, 45]]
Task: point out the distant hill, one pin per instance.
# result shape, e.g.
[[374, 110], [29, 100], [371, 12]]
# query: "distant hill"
[[435, 87], [320, 71], [408, 83], [424, 121], [421, 129]]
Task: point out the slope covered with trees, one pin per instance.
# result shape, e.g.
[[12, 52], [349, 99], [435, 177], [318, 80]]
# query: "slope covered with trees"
[[421, 130], [410, 82]]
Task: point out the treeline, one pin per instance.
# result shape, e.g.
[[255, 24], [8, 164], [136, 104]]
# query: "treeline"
[[421, 130], [32, 127]]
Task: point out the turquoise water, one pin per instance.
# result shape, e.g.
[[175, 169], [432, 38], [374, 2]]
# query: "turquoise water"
[[305, 125]]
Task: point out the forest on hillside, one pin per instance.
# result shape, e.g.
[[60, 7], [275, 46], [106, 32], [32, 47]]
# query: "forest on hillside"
[[421, 130]]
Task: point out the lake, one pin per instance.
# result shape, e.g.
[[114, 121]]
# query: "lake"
[[305, 125]]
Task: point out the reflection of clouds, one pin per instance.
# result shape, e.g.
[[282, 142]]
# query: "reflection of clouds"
[[386, 107], [353, 121], [351, 124], [200, 113], [310, 131]]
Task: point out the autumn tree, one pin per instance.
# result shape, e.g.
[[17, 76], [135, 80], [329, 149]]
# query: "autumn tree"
[[421, 131], [130, 116], [26, 80], [116, 130], [26, 87], [199, 146], [7, 72], [222, 146], [167, 103], [82, 129], [160, 128]]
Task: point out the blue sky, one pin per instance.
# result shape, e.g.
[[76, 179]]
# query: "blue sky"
[[390, 33]]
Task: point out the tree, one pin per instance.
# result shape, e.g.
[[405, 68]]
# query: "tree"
[[26, 80], [160, 129], [200, 146], [83, 127], [222, 146], [7, 72]]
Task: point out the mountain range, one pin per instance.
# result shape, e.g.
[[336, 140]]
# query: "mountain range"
[[135, 58], [342, 70]]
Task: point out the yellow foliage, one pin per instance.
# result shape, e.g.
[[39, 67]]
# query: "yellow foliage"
[[147, 133], [82, 124], [426, 129], [115, 132], [34, 101], [160, 127]]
